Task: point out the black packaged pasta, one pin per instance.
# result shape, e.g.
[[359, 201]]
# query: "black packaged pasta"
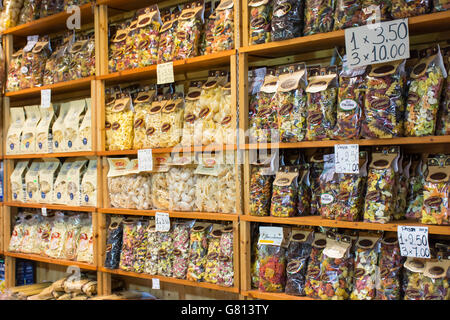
[[260, 21], [298, 253], [114, 243], [261, 179], [316, 168], [304, 191], [287, 19], [319, 16]]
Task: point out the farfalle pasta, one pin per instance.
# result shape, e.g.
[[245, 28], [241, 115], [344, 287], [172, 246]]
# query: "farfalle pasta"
[[319, 16], [223, 35], [167, 35], [188, 31], [266, 121], [260, 15]]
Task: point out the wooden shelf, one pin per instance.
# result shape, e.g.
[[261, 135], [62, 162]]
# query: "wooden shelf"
[[362, 142], [433, 22], [171, 280], [318, 221], [49, 206], [173, 214], [272, 295], [127, 5], [60, 87], [51, 155], [170, 150], [39, 258], [214, 60], [51, 23]]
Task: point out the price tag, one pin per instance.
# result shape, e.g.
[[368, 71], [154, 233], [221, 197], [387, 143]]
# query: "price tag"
[[145, 160], [31, 42], [46, 98], [44, 211], [388, 41], [164, 73], [413, 241], [270, 235], [155, 284], [162, 221], [346, 158]]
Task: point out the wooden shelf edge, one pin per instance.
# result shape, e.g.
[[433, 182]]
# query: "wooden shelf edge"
[[173, 214], [51, 155], [318, 221], [49, 206], [171, 149], [171, 280], [273, 295], [35, 257]]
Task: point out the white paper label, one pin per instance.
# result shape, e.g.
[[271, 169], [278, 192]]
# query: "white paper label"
[[46, 98], [31, 42], [326, 198], [44, 211], [369, 44], [164, 73], [413, 241], [162, 221], [270, 235], [145, 160], [346, 158], [348, 104], [155, 283]]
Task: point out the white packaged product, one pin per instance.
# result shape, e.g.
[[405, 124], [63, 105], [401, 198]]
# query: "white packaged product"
[[18, 190], [59, 144], [85, 249], [181, 182], [28, 141], [31, 225], [84, 137], [32, 182], [172, 121], [89, 185], [72, 123], [153, 122], [15, 130], [15, 241], [160, 185], [47, 177], [57, 237], [191, 111], [44, 141], [225, 119], [60, 189], [74, 176]]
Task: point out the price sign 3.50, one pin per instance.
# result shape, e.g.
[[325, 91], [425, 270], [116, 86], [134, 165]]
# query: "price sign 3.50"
[[387, 42]]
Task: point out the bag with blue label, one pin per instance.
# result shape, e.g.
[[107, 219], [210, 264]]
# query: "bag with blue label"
[[89, 185], [32, 182], [72, 123], [47, 177], [74, 182], [28, 141], [17, 116], [18, 181]]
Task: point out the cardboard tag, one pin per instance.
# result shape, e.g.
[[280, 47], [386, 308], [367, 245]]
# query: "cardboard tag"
[[162, 221], [31, 42], [413, 241], [270, 235], [145, 160], [44, 211], [346, 158], [164, 73], [46, 98]]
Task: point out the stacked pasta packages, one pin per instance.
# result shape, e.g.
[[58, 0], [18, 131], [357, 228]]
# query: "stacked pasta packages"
[[276, 20], [192, 250], [58, 235], [344, 265], [37, 64]]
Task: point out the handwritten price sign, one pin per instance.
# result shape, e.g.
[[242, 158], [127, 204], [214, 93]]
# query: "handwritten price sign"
[[413, 241], [346, 158], [162, 221], [388, 41], [164, 73]]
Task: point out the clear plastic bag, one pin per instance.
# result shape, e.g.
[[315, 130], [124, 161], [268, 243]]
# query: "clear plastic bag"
[[284, 193], [298, 254], [114, 243], [402, 181], [212, 257], [181, 235], [287, 19], [414, 199], [260, 15], [223, 35], [14, 73], [319, 16], [126, 254], [147, 36], [85, 248], [390, 264], [347, 14], [58, 237], [329, 188], [17, 234], [167, 37], [10, 14], [255, 81], [441, 5], [198, 249], [122, 124], [165, 254], [50, 7], [33, 65], [272, 268], [30, 11], [117, 45], [409, 8], [369, 9], [226, 263], [261, 191], [73, 233], [443, 123], [188, 31], [265, 126], [83, 59], [181, 193], [207, 35], [316, 168], [313, 272], [29, 233]]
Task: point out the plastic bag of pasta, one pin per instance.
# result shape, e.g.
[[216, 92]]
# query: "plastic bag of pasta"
[[443, 119], [390, 264], [117, 46], [402, 181], [321, 103], [284, 192], [384, 104], [266, 122], [126, 254], [188, 30], [121, 124], [347, 14], [191, 111], [29, 11], [33, 64], [167, 36], [83, 57], [329, 188], [14, 73], [254, 267], [436, 191], [379, 10], [316, 167], [298, 254], [413, 279], [181, 236], [255, 81], [151, 258], [147, 36], [424, 94], [319, 16], [441, 5], [212, 257], [114, 243], [198, 250], [260, 15], [17, 234], [261, 179], [287, 19], [73, 234], [85, 249], [366, 258], [207, 34], [142, 105], [414, 199], [181, 179], [226, 263], [304, 191], [350, 104], [58, 236], [435, 278], [381, 191], [313, 272], [409, 8], [10, 13], [172, 116], [165, 256], [291, 101], [160, 189], [223, 35]]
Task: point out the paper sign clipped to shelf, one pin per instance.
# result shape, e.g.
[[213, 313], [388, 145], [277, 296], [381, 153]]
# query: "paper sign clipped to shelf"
[[145, 160], [164, 73], [377, 43], [346, 158], [270, 235], [155, 284], [46, 98], [162, 221], [31, 42], [44, 211], [413, 241]]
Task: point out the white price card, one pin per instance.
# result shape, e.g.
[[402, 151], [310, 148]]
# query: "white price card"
[[155, 284], [31, 42], [46, 98], [377, 43], [164, 73], [145, 160], [44, 211], [413, 241], [162, 221], [270, 235], [346, 158]]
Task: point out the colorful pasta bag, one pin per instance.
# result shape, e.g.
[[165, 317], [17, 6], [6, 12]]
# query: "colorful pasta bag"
[[347, 14], [14, 71], [321, 103], [313, 272], [304, 191], [260, 17], [226, 266], [291, 101], [130, 51], [284, 192], [414, 199], [33, 64], [83, 57], [298, 254], [151, 258], [181, 234], [165, 253], [147, 36], [287, 19], [140, 245], [409, 8], [254, 256], [380, 201], [366, 259], [191, 112], [206, 36], [319, 16], [424, 94], [188, 31], [378, 10], [329, 188], [126, 254], [167, 37], [255, 81], [223, 35], [435, 278], [198, 249], [443, 124], [350, 104], [114, 243], [384, 104], [266, 122], [441, 5], [436, 191], [390, 263], [261, 179], [413, 278], [316, 167], [402, 178], [212, 257], [117, 46]]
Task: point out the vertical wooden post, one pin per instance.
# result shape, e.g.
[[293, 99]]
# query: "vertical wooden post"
[[244, 23], [101, 39], [243, 98], [245, 255]]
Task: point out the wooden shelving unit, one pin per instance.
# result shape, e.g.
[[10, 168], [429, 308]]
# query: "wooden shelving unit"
[[49, 206], [35, 257], [272, 295], [174, 214]]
